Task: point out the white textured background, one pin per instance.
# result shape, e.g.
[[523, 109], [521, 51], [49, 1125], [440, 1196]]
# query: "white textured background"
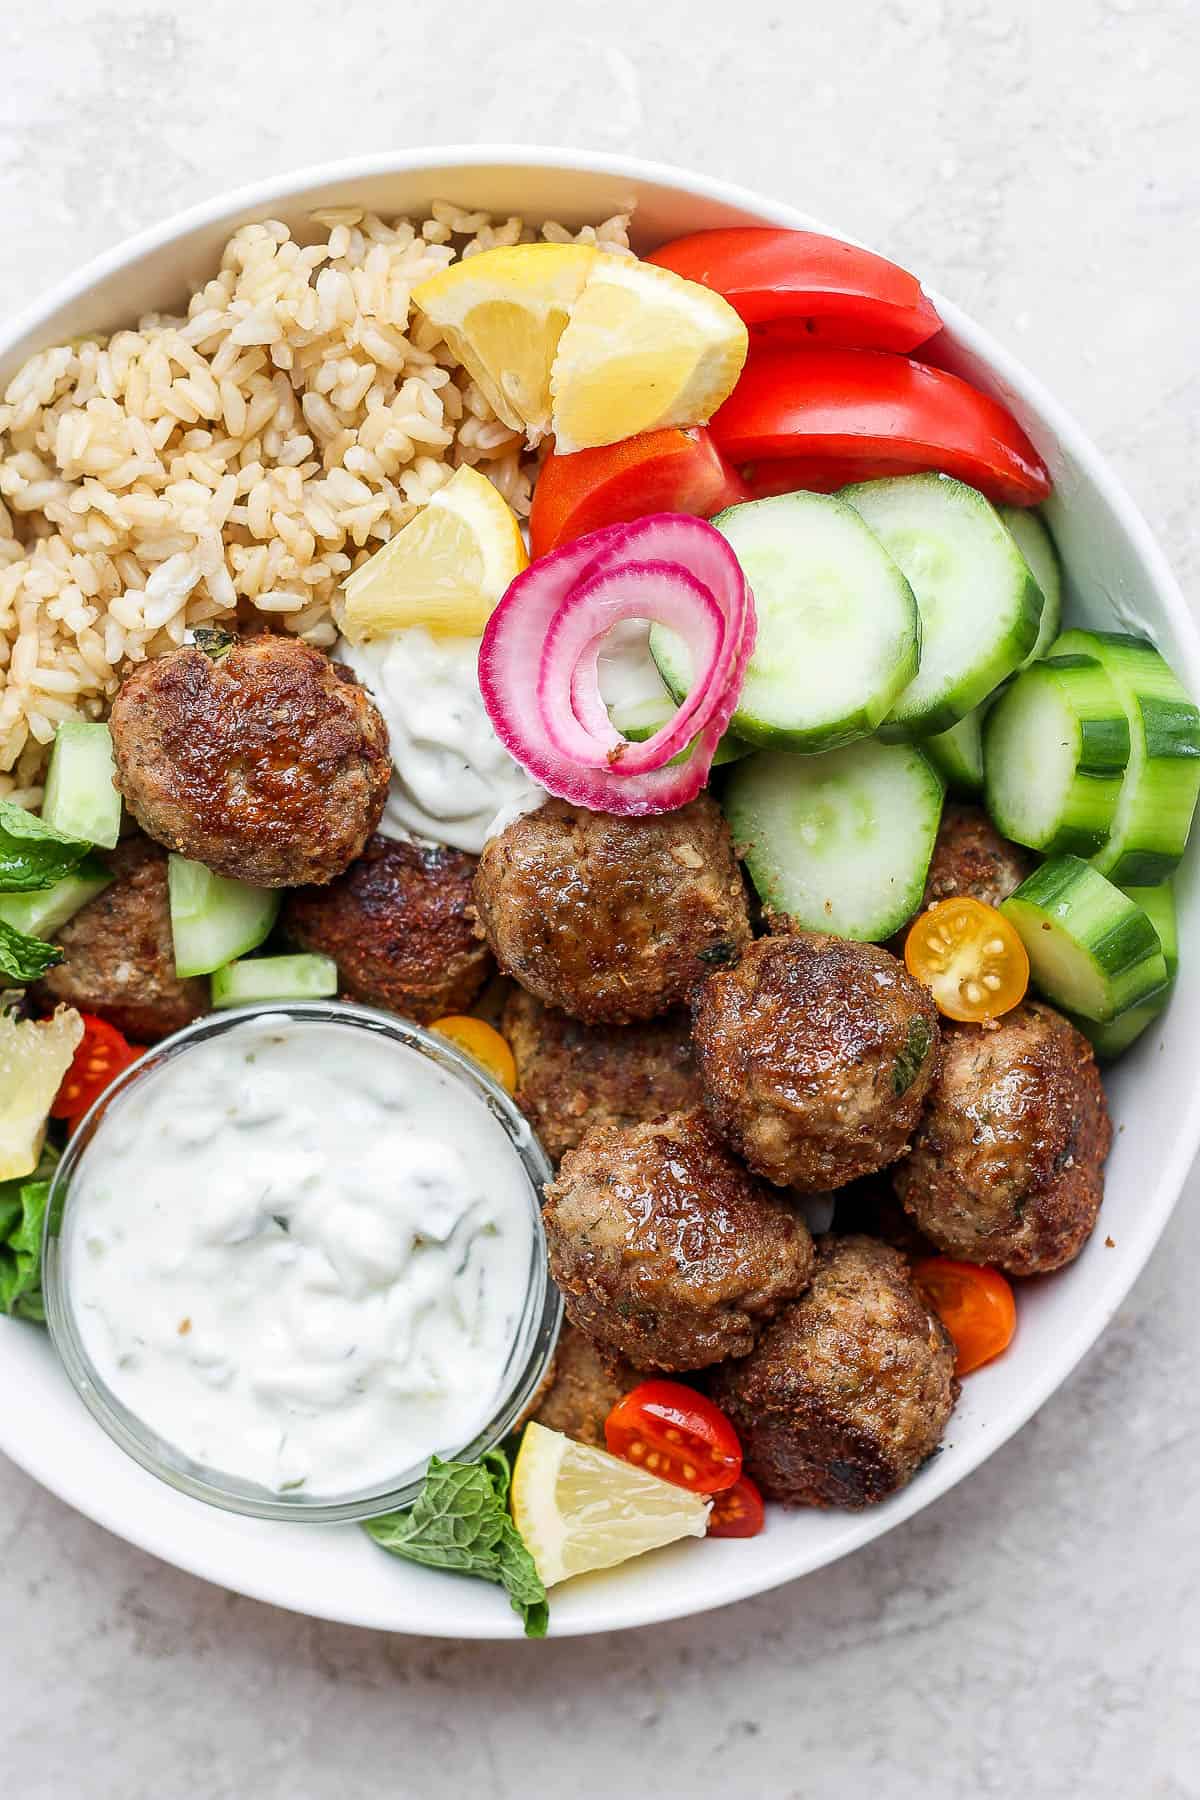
[[1036, 1632]]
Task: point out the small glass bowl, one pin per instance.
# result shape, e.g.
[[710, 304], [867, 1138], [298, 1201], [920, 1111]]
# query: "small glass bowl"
[[528, 1359]]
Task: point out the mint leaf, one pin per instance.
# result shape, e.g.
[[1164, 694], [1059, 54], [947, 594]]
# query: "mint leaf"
[[32, 854], [22, 1213], [24, 958], [459, 1521]]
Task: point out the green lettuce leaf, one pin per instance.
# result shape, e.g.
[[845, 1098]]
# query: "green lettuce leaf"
[[25, 958], [32, 854], [22, 1214], [459, 1521]]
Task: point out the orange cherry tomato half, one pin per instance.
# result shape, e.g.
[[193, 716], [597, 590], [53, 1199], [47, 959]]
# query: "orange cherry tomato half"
[[677, 1434], [738, 1511], [659, 471], [976, 1305], [103, 1052], [484, 1045], [969, 957]]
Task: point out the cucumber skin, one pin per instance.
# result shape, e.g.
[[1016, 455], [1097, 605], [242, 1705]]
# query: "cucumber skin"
[[1087, 818], [1112, 1039], [1053, 891], [1169, 727], [937, 719], [1035, 541]]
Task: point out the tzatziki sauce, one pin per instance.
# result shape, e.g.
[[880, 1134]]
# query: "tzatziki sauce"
[[299, 1251], [453, 781]]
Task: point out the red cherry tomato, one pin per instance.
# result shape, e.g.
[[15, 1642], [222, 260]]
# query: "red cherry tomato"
[[101, 1056], [738, 1512], [800, 287], [875, 413], [660, 471], [677, 1434]]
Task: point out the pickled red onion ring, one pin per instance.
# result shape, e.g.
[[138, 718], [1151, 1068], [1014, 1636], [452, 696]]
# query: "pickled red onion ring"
[[538, 662]]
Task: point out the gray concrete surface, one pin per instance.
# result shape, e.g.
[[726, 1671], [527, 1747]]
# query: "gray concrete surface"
[[1035, 1632]]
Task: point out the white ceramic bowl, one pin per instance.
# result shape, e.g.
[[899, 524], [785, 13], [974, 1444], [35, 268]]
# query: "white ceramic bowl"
[[1117, 577]]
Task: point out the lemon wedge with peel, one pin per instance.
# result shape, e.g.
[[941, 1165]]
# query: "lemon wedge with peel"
[[643, 349], [502, 313], [445, 569], [578, 1508]]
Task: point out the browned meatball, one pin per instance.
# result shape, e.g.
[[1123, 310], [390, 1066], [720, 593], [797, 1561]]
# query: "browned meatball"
[[585, 1386], [612, 919], [970, 857], [849, 1390], [1008, 1164], [400, 926], [816, 1054], [665, 1249], [120, 957], [263, 760], [572, 1076]]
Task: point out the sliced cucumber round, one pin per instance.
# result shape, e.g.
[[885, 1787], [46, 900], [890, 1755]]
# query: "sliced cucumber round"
[[1054, 751], [304, 976], [840, 842], [980, 606], [1113, 1038], [1037, 547], [1092, 950], [838, 632], [640, 719], [957, 754], [213, 919], [1158, 795]]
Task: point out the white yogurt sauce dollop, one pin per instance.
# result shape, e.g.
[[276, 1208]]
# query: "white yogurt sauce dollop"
[[300, 1254], [452, 779]]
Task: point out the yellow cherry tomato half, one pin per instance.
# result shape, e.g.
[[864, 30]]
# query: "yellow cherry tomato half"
[[482, 1044], [969, 957]]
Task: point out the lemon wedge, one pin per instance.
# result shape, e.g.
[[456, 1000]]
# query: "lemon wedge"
[[445, 569], [502, 313], [34, 1057], [643, 349], [579, 1509]]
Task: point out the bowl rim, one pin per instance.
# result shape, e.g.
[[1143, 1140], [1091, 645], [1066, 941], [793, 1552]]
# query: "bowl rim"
[[530, 1354], [729, 1583]]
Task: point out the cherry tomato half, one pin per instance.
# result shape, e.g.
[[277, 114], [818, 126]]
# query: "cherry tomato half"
[[676, 1434], [101, 1056], [976, 1305], [484, 1045], [659, 471], [804, 288], [738, 1511], [969, 957], [874, 411]]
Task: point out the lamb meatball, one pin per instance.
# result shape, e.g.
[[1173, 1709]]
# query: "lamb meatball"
[[400, 926], [665, 1249], [264, 760], [585, 1386], [120, 957], [572, 1076], [612, 919], [1008, 1164], [849, 1389], [816, 1054], [970, 857]]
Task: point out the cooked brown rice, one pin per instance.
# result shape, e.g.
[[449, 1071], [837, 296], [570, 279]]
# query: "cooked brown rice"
[[244, 457]]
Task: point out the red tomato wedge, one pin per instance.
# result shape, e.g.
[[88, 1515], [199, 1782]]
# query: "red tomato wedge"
[[737, 1512], [677, 1434], [660, 471], [103, 1052], [800, 287], [874, 413], [976, 1305]]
